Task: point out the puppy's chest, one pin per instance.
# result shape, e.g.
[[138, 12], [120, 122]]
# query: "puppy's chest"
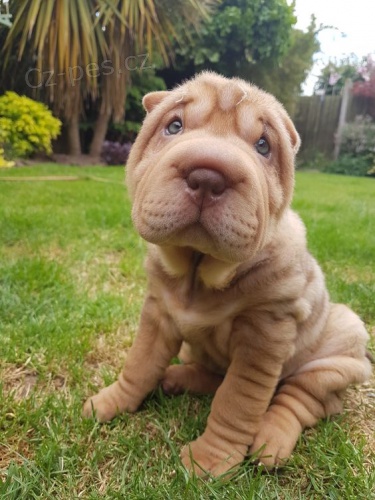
[[198, 318]]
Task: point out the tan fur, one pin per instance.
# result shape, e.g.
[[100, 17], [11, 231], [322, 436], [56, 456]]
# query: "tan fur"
[[231, 283]]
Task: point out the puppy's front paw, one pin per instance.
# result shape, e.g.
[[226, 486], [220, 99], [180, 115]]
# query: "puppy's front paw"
[[107, 404], [272, 445], [99, 407], [203, 460]]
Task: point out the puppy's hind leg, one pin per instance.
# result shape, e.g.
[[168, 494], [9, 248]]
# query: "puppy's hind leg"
[[192, 377], [315, 390]]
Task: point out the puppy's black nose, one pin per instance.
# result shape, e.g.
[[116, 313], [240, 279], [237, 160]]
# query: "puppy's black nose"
[[204, 181]]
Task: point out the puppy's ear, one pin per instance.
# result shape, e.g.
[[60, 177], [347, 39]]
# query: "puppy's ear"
[[293, 134], [152, 99]]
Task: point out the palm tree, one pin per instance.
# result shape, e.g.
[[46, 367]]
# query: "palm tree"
[[82, 50], [140, 27]]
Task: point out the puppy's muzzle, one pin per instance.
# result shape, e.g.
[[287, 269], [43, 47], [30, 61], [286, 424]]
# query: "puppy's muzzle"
[[205, 186]]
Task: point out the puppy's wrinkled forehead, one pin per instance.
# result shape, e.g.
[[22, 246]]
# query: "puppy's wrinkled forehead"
[[223, 95], [213, 94], [220, 102]]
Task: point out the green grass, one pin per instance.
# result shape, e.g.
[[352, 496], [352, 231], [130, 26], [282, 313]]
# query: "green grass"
[[71, 288]]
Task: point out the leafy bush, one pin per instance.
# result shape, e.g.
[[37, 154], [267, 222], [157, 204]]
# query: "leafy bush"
[[26, 126], [358, 138], [350, 165], [311, 159], [3, 162], [357, 152], [115, 153], [141, 83]]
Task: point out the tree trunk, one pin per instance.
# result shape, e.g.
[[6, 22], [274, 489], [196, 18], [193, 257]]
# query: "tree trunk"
[[100, 131], [74, 141]]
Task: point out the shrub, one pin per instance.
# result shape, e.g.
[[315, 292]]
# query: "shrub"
[[311, 159], [26, 126], [115, 153], [141, 83], [357, 151], [350, 165], [358, 138], [3, 162]]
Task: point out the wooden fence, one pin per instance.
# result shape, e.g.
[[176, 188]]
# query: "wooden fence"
[[317, 119]]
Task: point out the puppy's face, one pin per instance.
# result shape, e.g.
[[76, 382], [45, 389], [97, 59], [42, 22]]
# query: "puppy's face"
[[212, 168]]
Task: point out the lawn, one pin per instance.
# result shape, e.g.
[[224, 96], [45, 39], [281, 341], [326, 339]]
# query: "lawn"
[[71, 287]]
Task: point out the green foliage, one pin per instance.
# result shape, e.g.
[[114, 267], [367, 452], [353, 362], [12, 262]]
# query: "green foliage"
[[3, 162], [357, 152], [284, 77], [254, 40], [241, 32], [350, 165], [358, 138], [311, 159], [365, 85], [142, 82], [360, 71], [26, 126], [333, 76]]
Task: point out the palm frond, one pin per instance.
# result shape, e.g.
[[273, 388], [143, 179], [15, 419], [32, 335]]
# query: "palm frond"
[[67, 36]]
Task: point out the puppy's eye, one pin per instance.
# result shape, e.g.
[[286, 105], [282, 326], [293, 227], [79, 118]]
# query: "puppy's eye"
[[263, 147], [174, 127]]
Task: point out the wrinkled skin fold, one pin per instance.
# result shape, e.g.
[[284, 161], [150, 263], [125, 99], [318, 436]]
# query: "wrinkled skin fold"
[[232, 288]]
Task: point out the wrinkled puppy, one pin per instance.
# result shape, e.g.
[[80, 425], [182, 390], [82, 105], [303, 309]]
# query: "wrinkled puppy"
[[231, 285]]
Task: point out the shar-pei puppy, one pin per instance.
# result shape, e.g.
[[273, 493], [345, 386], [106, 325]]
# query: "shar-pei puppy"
[[232, 289]]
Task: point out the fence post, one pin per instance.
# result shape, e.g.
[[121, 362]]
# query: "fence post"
[[342, 118]]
